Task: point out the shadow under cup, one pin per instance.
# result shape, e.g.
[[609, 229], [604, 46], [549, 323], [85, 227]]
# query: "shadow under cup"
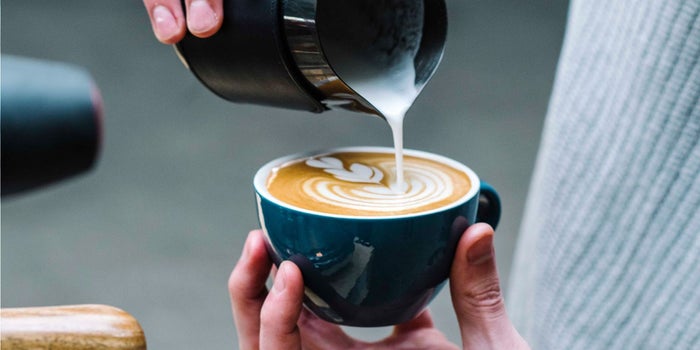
[[371, 271]]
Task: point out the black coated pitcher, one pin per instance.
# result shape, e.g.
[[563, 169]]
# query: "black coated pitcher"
[[317, 54]]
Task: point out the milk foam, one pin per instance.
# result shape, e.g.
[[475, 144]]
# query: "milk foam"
[[363, 184], [424, 186]]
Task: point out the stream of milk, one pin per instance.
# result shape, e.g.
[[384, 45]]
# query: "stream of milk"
[[392, 96]]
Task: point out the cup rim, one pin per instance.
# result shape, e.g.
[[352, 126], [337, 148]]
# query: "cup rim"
[[261, 176]]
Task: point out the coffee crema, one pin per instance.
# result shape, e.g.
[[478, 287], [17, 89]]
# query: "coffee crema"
[[363, 184]]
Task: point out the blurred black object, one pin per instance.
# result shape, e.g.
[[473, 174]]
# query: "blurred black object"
[[51, 118]]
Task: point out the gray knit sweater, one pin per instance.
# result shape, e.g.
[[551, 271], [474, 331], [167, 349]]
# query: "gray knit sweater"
[[609, 256]]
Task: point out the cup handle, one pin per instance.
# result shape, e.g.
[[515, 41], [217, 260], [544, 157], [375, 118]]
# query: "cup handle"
[[489, 205]]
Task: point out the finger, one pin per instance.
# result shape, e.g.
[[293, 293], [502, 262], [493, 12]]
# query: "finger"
[[418, 333], [424, 320], [476, 293], [318, 334], [204, 17], [247, 289], [281, 310], [167, 20]]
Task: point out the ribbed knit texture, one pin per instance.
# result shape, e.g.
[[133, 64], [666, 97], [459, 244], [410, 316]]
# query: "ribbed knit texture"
[[609, 256]]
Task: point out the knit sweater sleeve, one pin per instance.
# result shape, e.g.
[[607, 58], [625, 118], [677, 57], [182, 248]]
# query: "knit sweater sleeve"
[[609, 251]]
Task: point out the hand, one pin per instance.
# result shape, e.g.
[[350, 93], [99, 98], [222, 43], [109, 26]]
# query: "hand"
[[276, 319], [204, 18], [476, 294]]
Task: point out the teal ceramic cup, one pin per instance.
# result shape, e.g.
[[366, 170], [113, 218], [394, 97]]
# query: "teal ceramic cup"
[[371, 271]]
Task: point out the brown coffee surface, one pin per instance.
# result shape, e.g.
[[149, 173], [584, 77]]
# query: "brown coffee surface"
[[364, 184]]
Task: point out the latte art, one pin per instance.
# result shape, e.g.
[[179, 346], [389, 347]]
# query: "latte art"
[[425, 186], [364, 184]]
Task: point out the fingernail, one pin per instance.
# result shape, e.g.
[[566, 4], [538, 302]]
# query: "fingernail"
[[280, 280], [481, 251], [165, 23], [201, 17]]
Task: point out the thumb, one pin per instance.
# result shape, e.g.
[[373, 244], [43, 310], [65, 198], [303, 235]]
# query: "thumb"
[[281, 310], [476, 294]]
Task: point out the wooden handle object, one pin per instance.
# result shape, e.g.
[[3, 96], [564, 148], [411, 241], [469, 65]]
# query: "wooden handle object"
[[75, 327]]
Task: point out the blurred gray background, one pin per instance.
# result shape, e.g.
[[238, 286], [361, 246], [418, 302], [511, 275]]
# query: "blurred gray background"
[[157, 226]]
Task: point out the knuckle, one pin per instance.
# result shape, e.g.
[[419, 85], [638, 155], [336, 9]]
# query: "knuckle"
[[234, 282], [277, 318], [241, 292], [485, 297], [268, 315]]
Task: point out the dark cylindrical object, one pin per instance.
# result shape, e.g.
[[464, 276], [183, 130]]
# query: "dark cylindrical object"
[[247, 60], [51, 122], [313, 54]]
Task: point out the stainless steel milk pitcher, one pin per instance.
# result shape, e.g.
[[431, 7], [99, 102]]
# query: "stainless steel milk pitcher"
[[318, 54]]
